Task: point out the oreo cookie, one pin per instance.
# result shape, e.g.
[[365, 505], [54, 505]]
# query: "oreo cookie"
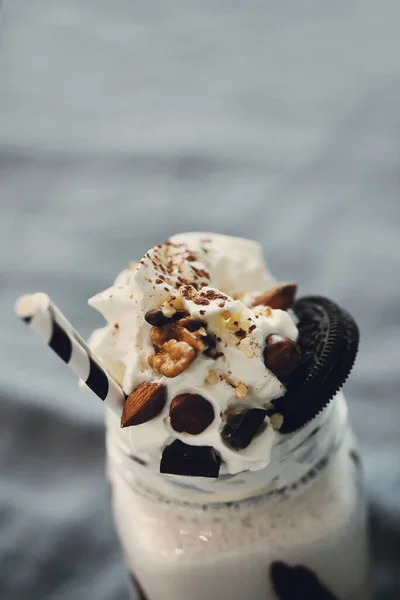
[[328, 340], [193, 461]]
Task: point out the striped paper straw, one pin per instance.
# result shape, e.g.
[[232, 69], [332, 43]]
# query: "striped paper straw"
[[41, 314]]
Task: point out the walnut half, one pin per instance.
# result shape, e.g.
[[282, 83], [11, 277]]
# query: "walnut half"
[[173, 358]]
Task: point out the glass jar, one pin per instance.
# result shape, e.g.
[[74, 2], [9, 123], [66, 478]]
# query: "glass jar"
[[194, 540]]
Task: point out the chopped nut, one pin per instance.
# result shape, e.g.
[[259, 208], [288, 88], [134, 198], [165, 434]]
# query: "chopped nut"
[[241, 390], [174, 331], [276, 420], [232, 322], [279, 296], [226, 314], [266, 311], [245, 346], [174, 358], [212, 377], [172, 305]]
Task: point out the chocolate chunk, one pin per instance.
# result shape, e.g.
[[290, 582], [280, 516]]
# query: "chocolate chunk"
[[190, 413], [279, 296], [211, 341], [281, 356], [157, 318], [192, 461], [241, 428], [328, 340], [297, 583], [145, 403]]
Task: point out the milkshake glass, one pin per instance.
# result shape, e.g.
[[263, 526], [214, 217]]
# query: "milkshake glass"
[[184, 543], [233, 469]]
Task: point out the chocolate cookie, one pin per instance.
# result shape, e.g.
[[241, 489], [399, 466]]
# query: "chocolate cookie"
[[328, 341]]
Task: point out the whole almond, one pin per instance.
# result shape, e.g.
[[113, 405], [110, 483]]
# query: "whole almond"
[[145, 403], [190, 413], [279, 296]]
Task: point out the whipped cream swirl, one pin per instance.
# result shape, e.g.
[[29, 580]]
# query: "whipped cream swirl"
[[213, 278]]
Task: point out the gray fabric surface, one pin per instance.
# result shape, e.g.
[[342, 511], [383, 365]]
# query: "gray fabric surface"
[[123, 122]]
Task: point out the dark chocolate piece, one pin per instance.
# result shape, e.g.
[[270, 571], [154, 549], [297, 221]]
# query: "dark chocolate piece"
[[281, 355], [241, 428], [157, 318], [211, 342], [193, 461], [192, 324], [297, 583]]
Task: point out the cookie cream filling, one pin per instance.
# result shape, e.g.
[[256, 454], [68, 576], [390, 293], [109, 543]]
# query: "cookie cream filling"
[[183, 319]]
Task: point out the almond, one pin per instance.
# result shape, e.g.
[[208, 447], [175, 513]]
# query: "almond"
[[279, 296], [145, 403], [191, 413]]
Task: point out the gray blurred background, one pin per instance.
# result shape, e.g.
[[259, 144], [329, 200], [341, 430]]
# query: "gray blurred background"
[[122, 122]]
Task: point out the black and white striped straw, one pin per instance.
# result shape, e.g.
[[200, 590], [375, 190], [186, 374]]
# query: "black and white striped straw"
[[48, 322]]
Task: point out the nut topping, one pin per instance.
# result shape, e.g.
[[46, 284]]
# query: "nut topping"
[[241, 390], [177, 343], [191, 413], [279, 296], [173, 331], [174, 358], [145, 403]]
